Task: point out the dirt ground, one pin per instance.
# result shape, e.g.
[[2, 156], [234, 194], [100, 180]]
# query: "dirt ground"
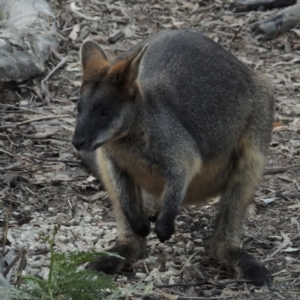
[[40, 172]]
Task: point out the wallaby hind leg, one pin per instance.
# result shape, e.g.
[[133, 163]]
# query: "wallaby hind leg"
[[232, 212], [129, 245]]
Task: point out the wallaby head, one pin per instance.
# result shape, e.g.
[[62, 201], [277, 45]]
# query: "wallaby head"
[[106, 107]]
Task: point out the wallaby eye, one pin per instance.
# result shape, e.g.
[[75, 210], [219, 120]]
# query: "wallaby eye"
[[106, 112]]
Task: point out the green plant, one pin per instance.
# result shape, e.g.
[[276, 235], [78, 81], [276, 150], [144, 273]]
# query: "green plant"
[[66, 281]]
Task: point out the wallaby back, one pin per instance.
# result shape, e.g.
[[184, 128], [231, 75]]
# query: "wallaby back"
[[213, 95]]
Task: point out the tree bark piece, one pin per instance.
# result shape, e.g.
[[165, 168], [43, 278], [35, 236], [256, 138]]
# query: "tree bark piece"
[[27, 33], [285, 20], [247, 5]]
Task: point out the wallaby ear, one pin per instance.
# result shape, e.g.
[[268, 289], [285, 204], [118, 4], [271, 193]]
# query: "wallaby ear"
[[126, 70], [93, 60]]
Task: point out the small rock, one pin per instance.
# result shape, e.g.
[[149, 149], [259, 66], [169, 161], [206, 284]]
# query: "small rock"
[[170, 264], [197, 235], [62, 239], [32, 200], [74, 222], [99, 244], [168, 250], [52, 210], [199, 249], [27, 208], [96, 218], [189, 246], [179, 223], [180, 244], [179, 250], [61, 217], [98, 233], [87, 219], [198, 241], [140, 275], [163, 277], [204, 220], [71, 247], [172, 273], [171, 280], [36, 264]]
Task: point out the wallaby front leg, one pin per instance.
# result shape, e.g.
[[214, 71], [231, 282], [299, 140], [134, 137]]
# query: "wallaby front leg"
[[174, 193], [129, 245], [120, 187]]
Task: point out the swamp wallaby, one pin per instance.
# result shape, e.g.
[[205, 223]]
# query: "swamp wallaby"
[[175, 121]]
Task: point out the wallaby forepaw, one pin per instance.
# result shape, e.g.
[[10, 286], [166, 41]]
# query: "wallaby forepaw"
[[164, 229], [141, 226], [253, 270]]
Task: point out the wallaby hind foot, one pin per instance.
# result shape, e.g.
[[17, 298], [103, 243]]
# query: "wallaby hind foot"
[[232, 210], [248, 267], [110, 264]]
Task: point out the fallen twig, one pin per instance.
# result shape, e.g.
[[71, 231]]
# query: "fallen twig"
[[220, 283], [77, 162], [281, 170], [14, 261], [24, 109], [7, 152], [21, 267], [237, 33], [284, 244], [45, 136], [42, 118], [6, 226], [43, 86]]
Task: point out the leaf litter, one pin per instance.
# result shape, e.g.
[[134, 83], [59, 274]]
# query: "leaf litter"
[[46, 184]]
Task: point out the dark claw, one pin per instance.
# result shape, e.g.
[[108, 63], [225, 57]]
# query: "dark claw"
[[164, 229]]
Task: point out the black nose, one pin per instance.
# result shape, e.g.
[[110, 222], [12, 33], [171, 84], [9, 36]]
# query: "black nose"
[[78, 142]]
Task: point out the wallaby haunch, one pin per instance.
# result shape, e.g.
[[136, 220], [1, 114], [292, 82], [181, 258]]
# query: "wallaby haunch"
[[175, 121]]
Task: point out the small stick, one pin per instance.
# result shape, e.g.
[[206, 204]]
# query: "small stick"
[[146, 267], [42, 118], [14, 261], [44, 88], [7, 152], [201, 298], [77, 162], [187, 261], [72, 205], [45, 136], [281, 170], [7, 225], [202, 282], [24, 109], [21, 267], [237, 33]]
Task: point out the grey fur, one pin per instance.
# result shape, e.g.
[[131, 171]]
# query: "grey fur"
[[197, 109]]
